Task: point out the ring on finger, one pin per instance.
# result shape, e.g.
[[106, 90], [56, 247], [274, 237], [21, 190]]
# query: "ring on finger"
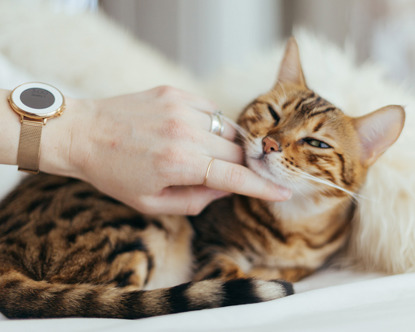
[[208, 171], [216, 124]]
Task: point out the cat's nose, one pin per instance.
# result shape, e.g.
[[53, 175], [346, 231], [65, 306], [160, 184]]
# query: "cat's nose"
[[270, 145]]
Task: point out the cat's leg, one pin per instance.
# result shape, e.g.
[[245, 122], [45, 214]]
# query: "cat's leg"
[[226, 267], [220, 266], [125, 264], [131, 269], [291, 274]]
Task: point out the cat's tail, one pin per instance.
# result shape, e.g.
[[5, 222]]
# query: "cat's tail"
[[22, 297]]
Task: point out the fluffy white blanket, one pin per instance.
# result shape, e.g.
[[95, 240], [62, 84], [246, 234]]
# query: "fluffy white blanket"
[[87, 55]]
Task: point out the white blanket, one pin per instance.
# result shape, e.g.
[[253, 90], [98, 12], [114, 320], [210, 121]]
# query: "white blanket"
[[328, 301]]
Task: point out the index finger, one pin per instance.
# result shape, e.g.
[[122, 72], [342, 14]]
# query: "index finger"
[[226, 176]]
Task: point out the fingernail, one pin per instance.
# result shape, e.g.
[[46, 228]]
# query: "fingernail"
[[283, 193]]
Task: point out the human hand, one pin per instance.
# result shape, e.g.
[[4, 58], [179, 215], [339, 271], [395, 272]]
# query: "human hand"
[[151, 151]]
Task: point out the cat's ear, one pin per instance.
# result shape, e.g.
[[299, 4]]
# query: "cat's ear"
[[378, 131], [290, 69]]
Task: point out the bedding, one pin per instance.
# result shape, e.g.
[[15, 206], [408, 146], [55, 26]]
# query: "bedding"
[[328, 301], [340, 299]]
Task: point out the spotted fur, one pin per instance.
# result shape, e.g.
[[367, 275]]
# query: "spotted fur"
[[67, 250]]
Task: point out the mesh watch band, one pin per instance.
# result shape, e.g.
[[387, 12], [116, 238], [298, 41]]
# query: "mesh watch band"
[[29, 146], [35, 103]]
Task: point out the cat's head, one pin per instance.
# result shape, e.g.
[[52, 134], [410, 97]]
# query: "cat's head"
[[298, 139]]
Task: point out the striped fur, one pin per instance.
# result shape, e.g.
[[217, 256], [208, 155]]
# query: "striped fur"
[[76, 252], [23, 297], [67, 250]]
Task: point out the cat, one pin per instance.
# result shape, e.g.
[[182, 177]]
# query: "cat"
[[67, 250]]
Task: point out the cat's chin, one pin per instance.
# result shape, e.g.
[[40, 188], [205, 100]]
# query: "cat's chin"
[[260, 167]]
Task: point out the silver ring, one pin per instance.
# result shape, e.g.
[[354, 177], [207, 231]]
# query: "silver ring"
[[216, 124]]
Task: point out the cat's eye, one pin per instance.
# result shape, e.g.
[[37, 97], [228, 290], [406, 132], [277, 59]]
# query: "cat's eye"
[[316, 143], [274, 115]]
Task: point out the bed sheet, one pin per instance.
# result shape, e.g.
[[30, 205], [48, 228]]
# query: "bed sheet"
[[331, 300]]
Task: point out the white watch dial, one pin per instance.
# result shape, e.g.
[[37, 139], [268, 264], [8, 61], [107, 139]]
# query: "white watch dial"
[[38, 99]]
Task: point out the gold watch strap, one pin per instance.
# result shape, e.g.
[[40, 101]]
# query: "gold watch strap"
[[29, 146]]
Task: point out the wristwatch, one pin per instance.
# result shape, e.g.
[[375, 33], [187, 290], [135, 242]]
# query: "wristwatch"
[[35, 103]]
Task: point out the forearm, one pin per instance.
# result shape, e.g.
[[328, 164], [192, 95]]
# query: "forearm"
[[149, 150]]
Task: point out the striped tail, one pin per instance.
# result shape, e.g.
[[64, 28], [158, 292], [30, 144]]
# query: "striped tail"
[[22, 297]]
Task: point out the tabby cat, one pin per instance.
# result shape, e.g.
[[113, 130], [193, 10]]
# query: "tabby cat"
[[67, 250]]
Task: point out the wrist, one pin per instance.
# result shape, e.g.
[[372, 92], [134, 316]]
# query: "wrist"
[[10, 129], [64, 144]]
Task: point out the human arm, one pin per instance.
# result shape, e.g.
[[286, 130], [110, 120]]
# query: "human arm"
[[149, 150]]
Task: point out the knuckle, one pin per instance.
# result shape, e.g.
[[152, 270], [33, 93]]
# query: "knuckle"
[[161, 161], [173, 109], [176, 155], [235, 177], [174, 127], [169, 157], [213, 105], [165, 91]]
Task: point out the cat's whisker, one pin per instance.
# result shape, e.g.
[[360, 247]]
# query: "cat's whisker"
[[243, 140], [305, 189], [326, 182], [301, 191], [330, 184], [243, 133]]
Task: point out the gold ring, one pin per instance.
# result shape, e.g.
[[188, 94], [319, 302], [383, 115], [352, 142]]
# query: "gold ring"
[[208, 171]]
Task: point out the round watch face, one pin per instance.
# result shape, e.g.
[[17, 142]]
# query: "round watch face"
[[38, 100]]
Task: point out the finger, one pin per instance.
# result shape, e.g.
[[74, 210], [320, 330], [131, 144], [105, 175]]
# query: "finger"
[[187, 166], [204, 119], [222, 149], [225, 176], [197, 102], [235, 178], [200, 104], [181, 200]]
